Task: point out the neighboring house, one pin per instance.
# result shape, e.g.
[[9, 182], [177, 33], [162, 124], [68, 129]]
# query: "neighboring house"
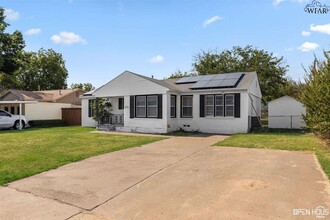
[[286, 112], [221, 103], [49, 102]]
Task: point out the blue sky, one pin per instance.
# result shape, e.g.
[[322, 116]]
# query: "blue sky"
[[99, 39]]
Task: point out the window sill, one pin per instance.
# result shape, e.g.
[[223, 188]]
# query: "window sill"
[[146, 118], [219, 117]]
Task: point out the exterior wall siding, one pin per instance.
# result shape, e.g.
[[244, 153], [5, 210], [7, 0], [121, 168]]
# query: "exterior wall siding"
[[86, 121], [45, 110], [286, 112], [223, 125], [144, 125]]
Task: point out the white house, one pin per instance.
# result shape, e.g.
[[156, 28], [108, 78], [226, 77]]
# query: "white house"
[[49, 103], [220, 103], [286, 112]]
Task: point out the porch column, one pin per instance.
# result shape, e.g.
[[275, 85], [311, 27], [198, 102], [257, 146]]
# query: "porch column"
[[20, 116]]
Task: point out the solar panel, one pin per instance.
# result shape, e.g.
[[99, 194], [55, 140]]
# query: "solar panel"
[[224, 80], [207, 77], [199, 84], [228, 83], [183, 80], [221, 76], [190, 79], [213, 83], [234, 76]]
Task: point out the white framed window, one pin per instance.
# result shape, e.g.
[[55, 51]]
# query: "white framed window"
[[120, 103], [209, 105], [152, 106], [141, 106], [91, 106], [173, 106], [219, 110], [187, 106], [229, 103]]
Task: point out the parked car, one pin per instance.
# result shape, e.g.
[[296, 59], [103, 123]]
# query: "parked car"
[[8, 120]]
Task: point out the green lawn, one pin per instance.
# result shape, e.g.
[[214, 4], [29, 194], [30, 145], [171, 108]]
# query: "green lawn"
[[283, 141], [31, 151]]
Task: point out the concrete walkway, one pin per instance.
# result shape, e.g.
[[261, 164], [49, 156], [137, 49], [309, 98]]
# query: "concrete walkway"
[[176, 178]]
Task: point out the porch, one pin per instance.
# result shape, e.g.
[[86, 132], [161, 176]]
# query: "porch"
[[110, 123], [115, 118]]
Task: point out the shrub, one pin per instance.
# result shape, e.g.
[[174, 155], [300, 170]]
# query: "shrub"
[[46, 123], [316, 97]]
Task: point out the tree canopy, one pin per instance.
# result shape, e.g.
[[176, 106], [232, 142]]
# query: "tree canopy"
[[271, 70], [11, 47], [19, 69], [180, 74], [86, 87]]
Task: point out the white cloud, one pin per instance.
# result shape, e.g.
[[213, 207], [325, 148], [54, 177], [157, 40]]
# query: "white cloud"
[[308, 46], [67, 38], [156, 59], [289, 49], [305, 33], [277, 2], [11, 14], [325, 28], [211, 20], [33, 31]]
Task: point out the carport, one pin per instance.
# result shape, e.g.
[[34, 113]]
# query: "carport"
[[20, 104]]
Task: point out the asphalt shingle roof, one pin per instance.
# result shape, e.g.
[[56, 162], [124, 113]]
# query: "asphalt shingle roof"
[[171, 83]]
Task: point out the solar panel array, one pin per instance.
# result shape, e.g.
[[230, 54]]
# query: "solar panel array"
[[225, 80]]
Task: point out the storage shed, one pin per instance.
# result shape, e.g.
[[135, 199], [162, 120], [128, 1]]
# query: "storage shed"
[[286, 112]]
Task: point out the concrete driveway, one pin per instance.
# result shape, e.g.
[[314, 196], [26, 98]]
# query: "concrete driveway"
[[177, 178]]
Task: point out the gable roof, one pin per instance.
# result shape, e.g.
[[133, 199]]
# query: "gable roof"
[[243, 84], [41, 96], [284, 97]]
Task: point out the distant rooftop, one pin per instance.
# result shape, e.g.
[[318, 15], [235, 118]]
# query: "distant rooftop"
[[42, 96]]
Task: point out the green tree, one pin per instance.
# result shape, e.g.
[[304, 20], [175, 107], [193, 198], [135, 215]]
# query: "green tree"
[[44, 69], [11, 49], [180, 74], [316, 97], [270, 69], [101, 108], [86, 87], [292, 88]]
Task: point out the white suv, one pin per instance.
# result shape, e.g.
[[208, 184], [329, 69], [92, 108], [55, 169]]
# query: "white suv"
[[8, 120]]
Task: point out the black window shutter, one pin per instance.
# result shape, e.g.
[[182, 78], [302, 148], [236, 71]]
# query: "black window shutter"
[[180, 106], [160, 106], [175, 106], [237, 101], [131, 106], [202, 106], [89, 108]]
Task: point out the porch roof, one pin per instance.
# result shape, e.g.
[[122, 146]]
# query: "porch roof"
[[18, 102]]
